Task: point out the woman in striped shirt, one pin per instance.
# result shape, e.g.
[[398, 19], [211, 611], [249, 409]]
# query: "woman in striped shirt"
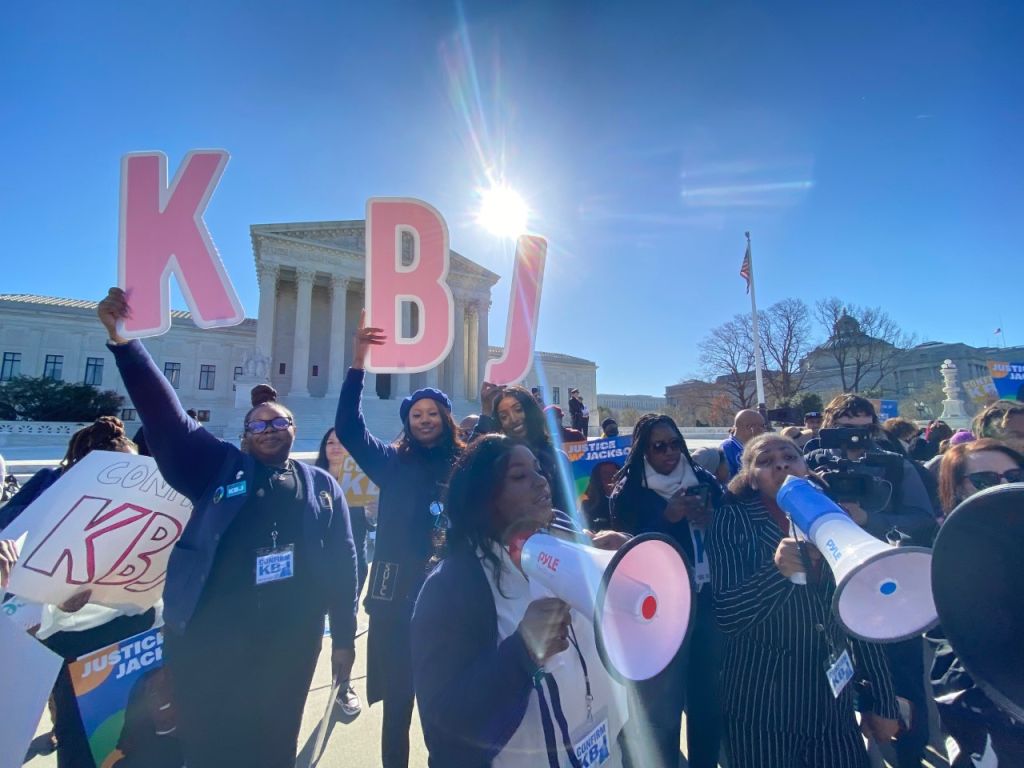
[[783, 708]]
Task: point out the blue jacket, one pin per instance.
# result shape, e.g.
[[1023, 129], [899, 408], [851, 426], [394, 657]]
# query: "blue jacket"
[[471, 690], [197, 465], [28, 493], [733, 450], [409, 481]]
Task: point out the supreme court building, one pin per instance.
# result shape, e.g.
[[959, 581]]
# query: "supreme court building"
[[311, 288]]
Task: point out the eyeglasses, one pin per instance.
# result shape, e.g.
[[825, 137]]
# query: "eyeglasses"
[[261, 425], [983, 480], [662, 446]]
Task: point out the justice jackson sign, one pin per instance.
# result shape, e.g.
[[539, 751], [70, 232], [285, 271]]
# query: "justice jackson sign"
[[162, 233], [131, 656]]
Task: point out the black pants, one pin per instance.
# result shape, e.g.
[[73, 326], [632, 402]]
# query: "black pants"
[[690, 683], [240, 703], [389, 670], [906, 665], [72, 743], [747, 746]]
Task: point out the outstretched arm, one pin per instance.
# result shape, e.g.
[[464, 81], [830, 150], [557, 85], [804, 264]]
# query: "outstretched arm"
[[188, 456], [372, 455]]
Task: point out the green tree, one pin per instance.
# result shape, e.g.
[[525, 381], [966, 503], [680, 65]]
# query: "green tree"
[[48, 400]]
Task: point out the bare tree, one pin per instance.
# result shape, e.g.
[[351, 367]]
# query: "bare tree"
[[727, 355], [865, 343], [785, 329]]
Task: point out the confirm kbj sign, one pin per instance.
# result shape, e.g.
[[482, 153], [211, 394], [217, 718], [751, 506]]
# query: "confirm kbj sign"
[[162, 233], [107, 526]]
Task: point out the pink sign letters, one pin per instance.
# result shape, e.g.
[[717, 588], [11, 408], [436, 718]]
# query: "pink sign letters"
[[108, 526], [391, 283], [523, 311], [163, 233]]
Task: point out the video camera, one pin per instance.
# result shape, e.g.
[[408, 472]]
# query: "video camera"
[[845, 438], [869, 481]]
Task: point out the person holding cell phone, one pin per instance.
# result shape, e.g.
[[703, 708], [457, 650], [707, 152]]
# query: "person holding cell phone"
[[267, 551], [660, 489], [411, 530]]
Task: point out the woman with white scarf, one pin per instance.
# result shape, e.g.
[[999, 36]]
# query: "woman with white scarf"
[[661, 490]]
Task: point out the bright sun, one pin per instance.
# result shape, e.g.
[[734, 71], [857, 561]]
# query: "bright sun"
[[502, 212]]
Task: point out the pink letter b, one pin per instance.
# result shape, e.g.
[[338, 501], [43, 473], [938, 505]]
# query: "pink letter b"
[[390, 283]]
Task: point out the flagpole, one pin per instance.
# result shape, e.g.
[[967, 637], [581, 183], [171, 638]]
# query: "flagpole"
[[755, 329]]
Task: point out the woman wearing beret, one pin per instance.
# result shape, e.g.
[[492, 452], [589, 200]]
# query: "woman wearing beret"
[[410, 531]]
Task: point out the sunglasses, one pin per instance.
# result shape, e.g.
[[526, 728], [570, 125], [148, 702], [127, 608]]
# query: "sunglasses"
[[661, 446], [983, 480], [262, 425]]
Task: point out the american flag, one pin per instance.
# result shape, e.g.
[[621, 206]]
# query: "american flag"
[[745, 267]]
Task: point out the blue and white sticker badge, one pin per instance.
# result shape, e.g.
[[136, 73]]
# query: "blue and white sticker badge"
[[840, 673], [591, 742], [275, 564]]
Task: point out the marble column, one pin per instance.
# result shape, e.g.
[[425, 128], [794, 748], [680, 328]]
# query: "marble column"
[[300, 359], [482, 344], [339, 305], [472, 349], [267, 309], [458, 355]]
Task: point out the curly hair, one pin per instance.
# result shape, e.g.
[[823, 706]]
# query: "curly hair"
[[848, 404], [105, 434], [475, 482]]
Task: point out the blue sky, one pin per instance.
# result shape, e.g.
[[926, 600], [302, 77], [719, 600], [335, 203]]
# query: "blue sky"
[[872, 149]]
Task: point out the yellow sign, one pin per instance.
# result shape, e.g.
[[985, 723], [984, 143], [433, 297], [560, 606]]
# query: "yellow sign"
[[359, 489]]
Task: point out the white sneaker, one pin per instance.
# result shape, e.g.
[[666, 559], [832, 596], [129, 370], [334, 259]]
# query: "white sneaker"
[[349, 702]]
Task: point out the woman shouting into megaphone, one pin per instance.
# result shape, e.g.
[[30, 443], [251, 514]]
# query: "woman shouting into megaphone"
[[504, 677], [790, 673]]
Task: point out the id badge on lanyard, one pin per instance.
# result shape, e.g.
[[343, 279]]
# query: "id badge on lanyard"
[[275, 563], [591, 741]]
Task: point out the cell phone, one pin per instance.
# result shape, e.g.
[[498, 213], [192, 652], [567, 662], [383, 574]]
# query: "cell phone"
[[700, 491]]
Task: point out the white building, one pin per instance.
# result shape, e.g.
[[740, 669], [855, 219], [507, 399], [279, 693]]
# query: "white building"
[[311, 279], [638, 403]]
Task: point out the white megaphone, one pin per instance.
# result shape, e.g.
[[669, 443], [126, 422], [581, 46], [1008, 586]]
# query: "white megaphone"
[[638, 597], [883, 593]]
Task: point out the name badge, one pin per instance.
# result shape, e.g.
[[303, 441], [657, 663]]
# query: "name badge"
[[840, 673], [236, 489], [275, 564], [591, 743]]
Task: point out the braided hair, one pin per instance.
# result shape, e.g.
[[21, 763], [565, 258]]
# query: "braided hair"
[[633, 469], [105, 434]]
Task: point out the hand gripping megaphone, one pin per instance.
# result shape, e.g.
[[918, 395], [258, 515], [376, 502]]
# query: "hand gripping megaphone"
[[883, 593], [638, 597], [976, 569]]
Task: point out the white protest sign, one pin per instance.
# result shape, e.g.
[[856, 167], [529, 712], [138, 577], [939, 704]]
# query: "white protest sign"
[[108, 526], [28, 669]]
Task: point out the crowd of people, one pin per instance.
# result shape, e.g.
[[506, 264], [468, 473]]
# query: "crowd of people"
[[504, 676]]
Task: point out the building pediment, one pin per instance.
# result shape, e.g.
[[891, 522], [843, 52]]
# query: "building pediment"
[[347, 238]]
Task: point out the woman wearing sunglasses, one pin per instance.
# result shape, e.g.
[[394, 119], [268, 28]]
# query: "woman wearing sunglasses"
[[411, 531], [267, 551], [971, 467], [661, 490]]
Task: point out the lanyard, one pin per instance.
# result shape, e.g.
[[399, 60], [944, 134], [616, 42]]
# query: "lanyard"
[[586, 674]]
